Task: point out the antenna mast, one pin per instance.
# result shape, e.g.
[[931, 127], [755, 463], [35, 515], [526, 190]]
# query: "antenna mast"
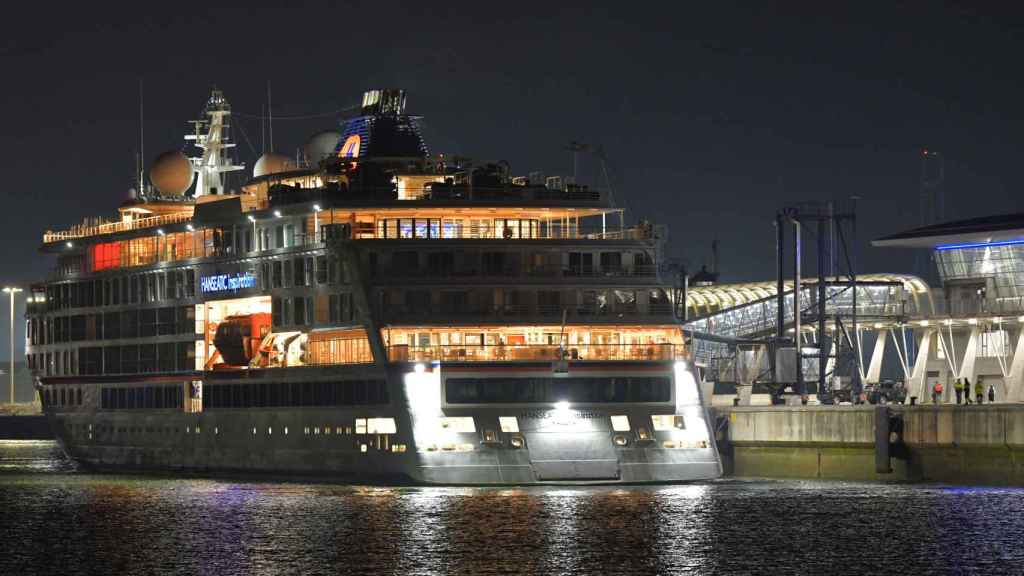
[[270, 117], [142, 142]]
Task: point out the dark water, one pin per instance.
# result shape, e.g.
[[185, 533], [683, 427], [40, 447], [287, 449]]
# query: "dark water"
[[54, 519]]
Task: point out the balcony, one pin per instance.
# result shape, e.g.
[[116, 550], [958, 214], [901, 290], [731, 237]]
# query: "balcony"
[[80, 231], [536, 353]]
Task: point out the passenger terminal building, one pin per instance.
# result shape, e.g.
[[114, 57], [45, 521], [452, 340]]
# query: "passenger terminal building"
[[974, 328]]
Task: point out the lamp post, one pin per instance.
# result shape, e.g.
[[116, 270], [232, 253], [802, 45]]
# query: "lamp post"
[[11, 291]]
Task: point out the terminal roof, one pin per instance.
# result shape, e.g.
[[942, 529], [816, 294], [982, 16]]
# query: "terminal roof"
[[985, 229]]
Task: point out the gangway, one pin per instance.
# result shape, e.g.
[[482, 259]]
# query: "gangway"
[[722, 318]]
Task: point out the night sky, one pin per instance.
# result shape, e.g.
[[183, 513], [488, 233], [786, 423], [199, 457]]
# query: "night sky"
[[711, 117]]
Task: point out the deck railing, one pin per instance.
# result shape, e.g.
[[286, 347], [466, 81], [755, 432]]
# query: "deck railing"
[[114, 227], [534, 353]]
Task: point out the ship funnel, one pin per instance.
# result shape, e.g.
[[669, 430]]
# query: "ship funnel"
[[389, 102]]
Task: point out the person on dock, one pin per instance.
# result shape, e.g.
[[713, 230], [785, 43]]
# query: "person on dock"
[[991, 393], [936, 392], [958, 386], [967, 391], [979, 391]]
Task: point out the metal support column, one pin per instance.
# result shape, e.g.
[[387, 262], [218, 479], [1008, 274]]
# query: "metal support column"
[[797, 340], [780, 296], [822, 271]]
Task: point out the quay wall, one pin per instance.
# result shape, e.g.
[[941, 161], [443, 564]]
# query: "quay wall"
[[949, 444]]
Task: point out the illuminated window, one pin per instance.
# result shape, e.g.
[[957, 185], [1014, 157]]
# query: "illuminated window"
[[380, 425], [490, 436], [620, 423], [993, 344], [360, 425], [663, 422], [509, 423], [462, 424]]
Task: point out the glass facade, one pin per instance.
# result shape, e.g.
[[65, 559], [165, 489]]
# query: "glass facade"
[[1003, 263]]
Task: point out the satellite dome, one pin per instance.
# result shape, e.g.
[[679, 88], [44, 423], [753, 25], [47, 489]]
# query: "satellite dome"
[[271, 163], [321, 145], [171, 173]]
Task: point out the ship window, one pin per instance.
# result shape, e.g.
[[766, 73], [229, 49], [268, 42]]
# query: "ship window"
[[461, 424], [321, 269], [663, 422], [380, 425], [279, 236], [405, 228], [546, 390], [508, 423], [620, 423]]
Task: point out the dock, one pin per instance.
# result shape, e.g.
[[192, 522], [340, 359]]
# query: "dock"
[[977, 444]]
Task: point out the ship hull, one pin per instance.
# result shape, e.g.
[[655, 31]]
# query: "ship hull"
[[225, 444], [324, 443]]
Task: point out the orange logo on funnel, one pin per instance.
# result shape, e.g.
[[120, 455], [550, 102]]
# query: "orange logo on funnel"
[[351, 147]]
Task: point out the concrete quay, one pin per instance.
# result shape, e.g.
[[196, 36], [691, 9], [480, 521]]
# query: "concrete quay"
[[947, 443]]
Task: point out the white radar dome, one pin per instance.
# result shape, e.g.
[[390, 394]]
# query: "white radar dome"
[[321, 145], [171, 173], [271, 163]]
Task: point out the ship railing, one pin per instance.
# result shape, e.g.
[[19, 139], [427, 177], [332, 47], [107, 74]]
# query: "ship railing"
[[551, 271], [402, 313], [535, 353], [115, 227], [444, 229]]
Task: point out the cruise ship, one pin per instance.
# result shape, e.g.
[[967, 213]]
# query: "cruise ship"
[[366, 311]]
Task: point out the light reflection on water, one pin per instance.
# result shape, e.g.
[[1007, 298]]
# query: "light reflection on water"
[[56, 519]]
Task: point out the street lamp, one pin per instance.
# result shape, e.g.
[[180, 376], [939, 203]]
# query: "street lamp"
[[11, 290]]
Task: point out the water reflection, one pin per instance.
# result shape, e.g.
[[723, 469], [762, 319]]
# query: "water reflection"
[[58, 520]]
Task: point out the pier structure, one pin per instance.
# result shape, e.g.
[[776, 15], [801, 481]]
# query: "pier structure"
[[870, 331]]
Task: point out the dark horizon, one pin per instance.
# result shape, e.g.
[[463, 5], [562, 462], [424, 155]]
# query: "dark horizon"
[[711, 117]]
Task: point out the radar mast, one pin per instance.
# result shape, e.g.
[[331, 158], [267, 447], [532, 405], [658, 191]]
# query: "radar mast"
[[211, 135]]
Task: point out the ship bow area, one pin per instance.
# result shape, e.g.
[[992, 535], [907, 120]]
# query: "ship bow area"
[[564, 438]]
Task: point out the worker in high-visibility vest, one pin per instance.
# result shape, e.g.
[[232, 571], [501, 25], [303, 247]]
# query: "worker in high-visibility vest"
[[979, 391], [958, 386]]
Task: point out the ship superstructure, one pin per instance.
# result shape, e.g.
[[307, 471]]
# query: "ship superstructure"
[[372, 312]]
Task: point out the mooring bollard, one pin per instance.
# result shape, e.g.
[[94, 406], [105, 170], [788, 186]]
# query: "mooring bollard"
[[882, 463]]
